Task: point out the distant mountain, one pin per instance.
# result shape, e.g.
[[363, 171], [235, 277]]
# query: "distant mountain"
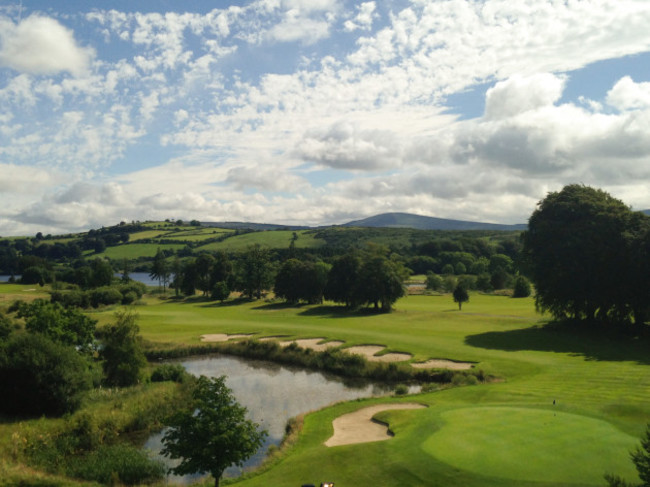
[[647, 212], [408, 220]]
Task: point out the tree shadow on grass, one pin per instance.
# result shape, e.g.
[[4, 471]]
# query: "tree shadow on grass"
[[329, 311], [591, 342]]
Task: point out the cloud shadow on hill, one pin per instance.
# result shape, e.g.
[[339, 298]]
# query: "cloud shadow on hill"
[[591, 342]]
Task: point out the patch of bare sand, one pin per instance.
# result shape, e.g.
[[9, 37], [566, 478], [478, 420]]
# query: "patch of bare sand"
[[369, 351], [443, 364], [316, 344], [222, 337], [359, 427]]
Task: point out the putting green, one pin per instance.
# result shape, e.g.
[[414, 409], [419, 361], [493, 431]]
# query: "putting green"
[[532, 444]]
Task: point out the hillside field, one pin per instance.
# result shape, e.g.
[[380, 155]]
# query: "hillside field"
[[568, 406]]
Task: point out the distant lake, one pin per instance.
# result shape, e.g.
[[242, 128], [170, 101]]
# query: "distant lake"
[[6, 278], [140, 277], [273, 394]]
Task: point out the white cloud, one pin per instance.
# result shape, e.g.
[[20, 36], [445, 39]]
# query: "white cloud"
[[627, 95], [41, 45], [520, 94], [364, 18], [346, 146]]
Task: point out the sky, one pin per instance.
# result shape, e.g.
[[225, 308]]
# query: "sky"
[[316, 112]]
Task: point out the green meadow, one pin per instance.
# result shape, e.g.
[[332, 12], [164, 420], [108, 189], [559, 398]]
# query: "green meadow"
[[566, 407]]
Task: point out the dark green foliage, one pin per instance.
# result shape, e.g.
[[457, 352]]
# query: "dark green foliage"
[[160, 269], [104, 296], [213, 433], [343, 280], [584, 251], [220, 291], [35, 275], [39, 376], [169, 372], [122, 352], [434, 282], [68, 326], [461, 295], [301, 281], [7, 327], [255, 272], [522, 288], [121, 463]]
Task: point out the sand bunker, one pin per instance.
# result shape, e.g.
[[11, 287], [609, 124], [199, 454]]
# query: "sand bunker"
[[316, 344], [359, 427], [222, 337], [369, 351], [443, 364]]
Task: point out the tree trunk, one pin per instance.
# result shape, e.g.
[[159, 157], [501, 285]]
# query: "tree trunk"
[[460, 306]]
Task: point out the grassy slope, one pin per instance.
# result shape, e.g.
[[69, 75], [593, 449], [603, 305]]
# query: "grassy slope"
[[276, 239], [602, 382]]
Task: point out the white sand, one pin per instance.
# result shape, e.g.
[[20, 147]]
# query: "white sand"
[[359, 427], [316, 344], [369, 351], [443, 364]]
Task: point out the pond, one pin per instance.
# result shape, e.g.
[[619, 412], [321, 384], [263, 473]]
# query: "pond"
[[141, 277], [273, 394]]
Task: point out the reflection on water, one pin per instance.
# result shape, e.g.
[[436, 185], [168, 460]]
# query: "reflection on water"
[[273, 394]]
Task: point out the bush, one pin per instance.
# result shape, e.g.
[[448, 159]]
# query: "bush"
[[401, 390], [118, 463], [169, 372], [40, 376], [129, 298], [105, 296], [522, 288], [434, 282], [122, 352]]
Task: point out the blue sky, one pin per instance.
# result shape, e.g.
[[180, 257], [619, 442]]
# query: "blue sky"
[[316, 111]]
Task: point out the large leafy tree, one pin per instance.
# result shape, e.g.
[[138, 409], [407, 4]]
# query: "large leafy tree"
[[580, 249], [255, 271], [212, 433], [343, 280]]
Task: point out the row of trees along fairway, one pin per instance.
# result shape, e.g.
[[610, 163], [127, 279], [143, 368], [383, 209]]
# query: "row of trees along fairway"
[[588, 255]]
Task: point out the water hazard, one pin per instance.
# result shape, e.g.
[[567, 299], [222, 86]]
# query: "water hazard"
[[273, 394]]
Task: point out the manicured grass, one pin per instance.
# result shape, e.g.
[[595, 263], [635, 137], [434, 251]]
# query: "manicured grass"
[[600, 381], [530, 444]]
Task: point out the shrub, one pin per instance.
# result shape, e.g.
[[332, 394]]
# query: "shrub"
[[122, 352], [522, 288], [401, 390], [434, 282], [105, 296], [169, 372], [118, 463], [129, 298], [40, 376]]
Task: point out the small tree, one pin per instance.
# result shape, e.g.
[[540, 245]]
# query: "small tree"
[[122, 352], [460, 295], [522, 288], [213, 433]]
